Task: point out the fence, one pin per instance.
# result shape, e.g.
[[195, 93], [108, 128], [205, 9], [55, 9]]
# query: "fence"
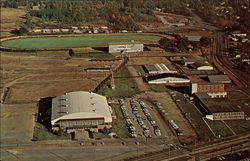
[[108, 77]]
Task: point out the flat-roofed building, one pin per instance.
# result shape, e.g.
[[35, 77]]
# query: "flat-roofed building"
[[190, 59], [81, 110], [125, 46], [212, 89], [194, 38], [37, 30], [218, 108], [219, 79], [196, 62], [65, 30], [55, 30], [160, 68], [46, 30]]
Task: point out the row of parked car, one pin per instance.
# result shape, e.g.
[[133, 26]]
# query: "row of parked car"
[[149, 117], [129, 123], [139, 118], [171, 122]]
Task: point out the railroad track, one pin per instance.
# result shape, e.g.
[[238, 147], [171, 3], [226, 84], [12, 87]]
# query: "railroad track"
[[219, 44], [206, 149]]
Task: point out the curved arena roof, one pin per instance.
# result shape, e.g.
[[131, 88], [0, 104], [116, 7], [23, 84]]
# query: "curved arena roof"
[[80, 105]]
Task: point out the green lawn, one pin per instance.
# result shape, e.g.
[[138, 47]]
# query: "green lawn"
[[42, 133], [239, 126], [219, 128], [76, 41], [119, 125], [124, 87]]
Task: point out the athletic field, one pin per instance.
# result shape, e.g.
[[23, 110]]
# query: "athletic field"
[[76, 41]]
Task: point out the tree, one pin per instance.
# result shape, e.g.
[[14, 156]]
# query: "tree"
[[71, 52], [28, 20], [167, 44], [205, 41], [23, 30]]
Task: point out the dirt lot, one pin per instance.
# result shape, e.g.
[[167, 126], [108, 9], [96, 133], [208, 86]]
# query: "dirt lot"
[[30, 78], [10, 20], [149, 60], [21, 130]]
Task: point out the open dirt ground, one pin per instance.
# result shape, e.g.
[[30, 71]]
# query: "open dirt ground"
[[30, 78], [21, 130], [149, 60], [25, 79], [10, 20]]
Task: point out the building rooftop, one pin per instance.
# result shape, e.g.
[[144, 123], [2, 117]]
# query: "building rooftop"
[[165, 75], [219, 79], [125, 43], [161, 68], [198, 64], [80, 105], [193, 38], [217, 105], [193, 59], [196, 79]]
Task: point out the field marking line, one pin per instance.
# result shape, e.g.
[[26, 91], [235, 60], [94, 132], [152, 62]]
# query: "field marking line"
[[229, 127], [209, 127]]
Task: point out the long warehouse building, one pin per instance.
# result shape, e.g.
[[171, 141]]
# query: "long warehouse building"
[[119, 47], [218, 108]]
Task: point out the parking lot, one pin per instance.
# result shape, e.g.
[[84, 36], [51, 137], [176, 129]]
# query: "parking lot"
[[140, 120], [191, 112]]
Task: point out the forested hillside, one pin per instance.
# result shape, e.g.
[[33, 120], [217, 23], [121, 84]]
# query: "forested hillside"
[[123, 14]]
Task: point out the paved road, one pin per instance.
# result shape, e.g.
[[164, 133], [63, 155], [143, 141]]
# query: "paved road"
[[163, 20], [138, 80], [80, 153], [239, 78], [194, 115]]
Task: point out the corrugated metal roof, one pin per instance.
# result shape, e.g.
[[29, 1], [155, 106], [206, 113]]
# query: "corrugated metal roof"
[[80, 105], [161, 68], [219, 79]]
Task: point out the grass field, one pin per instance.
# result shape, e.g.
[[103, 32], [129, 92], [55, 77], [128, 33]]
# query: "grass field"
[[76, 41], [219, 128], [124, 87], [42, 133]]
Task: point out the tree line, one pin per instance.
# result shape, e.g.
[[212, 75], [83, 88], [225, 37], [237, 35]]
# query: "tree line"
[[122, 14]]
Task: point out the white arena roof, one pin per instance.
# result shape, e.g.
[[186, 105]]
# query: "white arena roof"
[[80, 105]]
